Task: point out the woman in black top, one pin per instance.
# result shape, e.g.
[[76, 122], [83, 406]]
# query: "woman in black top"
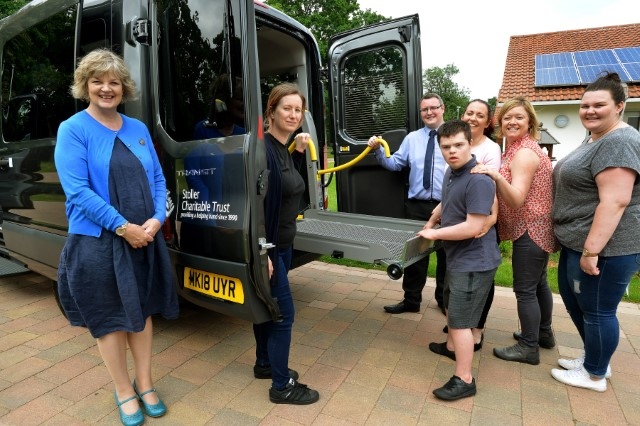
[[283, 116]]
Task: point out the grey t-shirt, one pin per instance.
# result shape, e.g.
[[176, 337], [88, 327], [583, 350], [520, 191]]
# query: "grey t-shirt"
[[576, 192]]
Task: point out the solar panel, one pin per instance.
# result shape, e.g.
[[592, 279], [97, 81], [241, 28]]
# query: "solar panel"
[[630, 59], [554, 60], [628, 54], [566, 76], [591, 73], [584, 67], [595, 57], [633, 69]]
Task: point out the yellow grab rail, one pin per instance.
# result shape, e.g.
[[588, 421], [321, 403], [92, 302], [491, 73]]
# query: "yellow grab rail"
[[311, 147], [358, 158], [314, 156]]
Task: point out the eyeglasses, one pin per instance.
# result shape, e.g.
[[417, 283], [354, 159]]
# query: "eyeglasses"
[[431, 109]]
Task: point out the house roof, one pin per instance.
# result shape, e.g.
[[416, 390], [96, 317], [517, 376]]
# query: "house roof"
[[519, 71]]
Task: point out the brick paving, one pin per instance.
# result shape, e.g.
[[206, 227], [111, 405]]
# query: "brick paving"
[[370, 367]]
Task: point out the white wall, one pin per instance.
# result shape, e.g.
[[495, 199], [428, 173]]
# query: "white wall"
[[574, 133]]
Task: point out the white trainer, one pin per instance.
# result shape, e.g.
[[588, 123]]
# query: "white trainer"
[[572, 364], [579, 377]]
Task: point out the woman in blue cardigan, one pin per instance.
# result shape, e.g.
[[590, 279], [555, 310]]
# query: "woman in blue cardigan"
[[114, 271]]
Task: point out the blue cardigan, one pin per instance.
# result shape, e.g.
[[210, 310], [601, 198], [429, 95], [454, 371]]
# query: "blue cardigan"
[[82, 156]]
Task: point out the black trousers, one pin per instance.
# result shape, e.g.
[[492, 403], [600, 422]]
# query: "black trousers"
[[415, 276]]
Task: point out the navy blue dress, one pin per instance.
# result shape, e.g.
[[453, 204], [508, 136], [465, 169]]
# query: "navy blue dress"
[[106, 285]]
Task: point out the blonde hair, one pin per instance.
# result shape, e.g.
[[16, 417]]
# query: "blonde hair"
[[519, 101], [97, 63]]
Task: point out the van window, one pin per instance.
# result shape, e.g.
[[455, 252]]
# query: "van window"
[[374, 92], [37, 71], [201, 98], [200, 67]]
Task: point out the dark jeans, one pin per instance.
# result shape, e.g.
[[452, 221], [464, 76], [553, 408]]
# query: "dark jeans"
[[592, 302], [415, 276], [273, 339], [535, 302]]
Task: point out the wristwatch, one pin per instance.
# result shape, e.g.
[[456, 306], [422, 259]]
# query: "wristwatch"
[[587, 253], [120, 230]]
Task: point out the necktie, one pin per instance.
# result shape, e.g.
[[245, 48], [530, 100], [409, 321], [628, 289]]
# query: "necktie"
[[428, 160]]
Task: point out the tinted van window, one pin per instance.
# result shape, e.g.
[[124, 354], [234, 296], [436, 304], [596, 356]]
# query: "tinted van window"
[[37, 71], [199, 58]]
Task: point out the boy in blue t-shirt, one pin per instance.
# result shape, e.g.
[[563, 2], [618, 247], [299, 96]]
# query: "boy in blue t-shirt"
[[473, 256]]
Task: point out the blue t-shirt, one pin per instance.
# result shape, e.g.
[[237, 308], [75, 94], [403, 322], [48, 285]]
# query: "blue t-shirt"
[[202, 131]]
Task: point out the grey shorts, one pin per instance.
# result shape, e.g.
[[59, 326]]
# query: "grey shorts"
[[467, 293]]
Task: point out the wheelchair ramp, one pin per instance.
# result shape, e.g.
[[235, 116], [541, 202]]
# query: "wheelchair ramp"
[[372, 239], [9, 267]]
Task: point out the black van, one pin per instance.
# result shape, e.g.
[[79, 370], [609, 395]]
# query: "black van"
[[183, 54]]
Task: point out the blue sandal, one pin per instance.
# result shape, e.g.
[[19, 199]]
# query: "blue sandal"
[[152, 410], [134, 419]]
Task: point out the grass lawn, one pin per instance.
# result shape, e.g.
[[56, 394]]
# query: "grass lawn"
[[504, 274]]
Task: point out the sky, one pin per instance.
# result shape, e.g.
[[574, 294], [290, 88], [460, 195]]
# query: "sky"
[[474, 35]]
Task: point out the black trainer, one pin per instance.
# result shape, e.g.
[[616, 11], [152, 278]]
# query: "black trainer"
[[294, 393], [456, 388], [260, 372]]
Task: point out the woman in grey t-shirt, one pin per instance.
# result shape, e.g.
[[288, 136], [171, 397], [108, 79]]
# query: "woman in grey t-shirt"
[[596, 217]]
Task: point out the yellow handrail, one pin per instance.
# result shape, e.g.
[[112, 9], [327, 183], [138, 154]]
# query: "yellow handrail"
[[311, 147], [314, 156], [358, 158]]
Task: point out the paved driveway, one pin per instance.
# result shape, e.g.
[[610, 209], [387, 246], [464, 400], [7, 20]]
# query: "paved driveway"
[[370, 367]]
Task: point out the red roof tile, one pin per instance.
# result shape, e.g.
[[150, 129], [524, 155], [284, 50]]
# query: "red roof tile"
[[519, 71]]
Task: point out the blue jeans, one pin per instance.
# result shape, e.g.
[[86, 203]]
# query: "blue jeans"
[[535, 301], [273, 339], [592, 302]]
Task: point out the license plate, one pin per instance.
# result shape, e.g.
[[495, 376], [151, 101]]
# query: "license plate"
[[214, 285]]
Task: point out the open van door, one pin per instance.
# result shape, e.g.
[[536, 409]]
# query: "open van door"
[[375, 88], [375, 83], [208, 127]]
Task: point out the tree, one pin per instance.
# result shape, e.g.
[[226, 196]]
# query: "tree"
[[7, 7], [440, 80], [324, 18], [493, 102]]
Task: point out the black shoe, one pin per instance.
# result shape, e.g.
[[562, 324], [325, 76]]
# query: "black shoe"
[[445, 329], [545, 338], [518, 353], [478, 346], [294, 393], [441, 349], [260, 372], [402, 307], [456, 388]]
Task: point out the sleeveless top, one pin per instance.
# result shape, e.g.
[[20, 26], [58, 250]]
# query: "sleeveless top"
[[534, 215]]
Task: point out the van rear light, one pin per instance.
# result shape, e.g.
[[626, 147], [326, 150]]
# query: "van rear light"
[[167, 232]]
